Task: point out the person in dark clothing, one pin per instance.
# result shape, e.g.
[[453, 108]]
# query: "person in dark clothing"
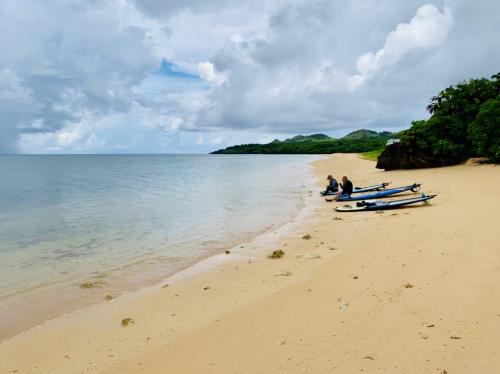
[[346, 187], [333, 185]]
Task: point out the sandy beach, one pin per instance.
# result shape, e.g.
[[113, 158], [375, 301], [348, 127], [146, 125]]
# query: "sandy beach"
[[413, 290]]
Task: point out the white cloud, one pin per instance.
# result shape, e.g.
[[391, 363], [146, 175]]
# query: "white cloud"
[[217, 140], [309, 71], [428, 28], [79, 75], [200, 140], [11, 88], [68, 58], [208, 73], [77, 137]]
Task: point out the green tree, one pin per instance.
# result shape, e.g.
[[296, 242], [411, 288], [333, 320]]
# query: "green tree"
[[448, 133], [484, 132]]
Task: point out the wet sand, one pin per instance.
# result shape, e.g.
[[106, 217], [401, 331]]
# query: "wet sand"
[[411, 290]]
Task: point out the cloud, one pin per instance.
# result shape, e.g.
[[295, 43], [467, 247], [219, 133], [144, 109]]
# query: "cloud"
[[265, 140], [200, 140], [217, 140], [166, 9], [208, 72], [144, 75], [427, 29], [64, 59], [309, 70]]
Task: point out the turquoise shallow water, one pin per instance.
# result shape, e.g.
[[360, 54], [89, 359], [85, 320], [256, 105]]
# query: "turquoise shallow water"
[[127, 219]]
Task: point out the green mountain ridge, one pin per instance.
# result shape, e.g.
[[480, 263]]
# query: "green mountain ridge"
[[307, 138], [364, 134], [354, 142]]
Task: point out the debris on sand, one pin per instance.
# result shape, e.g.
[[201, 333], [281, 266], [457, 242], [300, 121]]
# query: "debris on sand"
[[355, 277], [369, 358], [277, 254], [313, 256], [453, 337], [343, 306], [284, 274], [227, 252], [307, 237], [337, 219], [95, 284], [127, 321], [166, 285], [431, 325], [206, 288], [108, 297], [408, 285], [332, 249]]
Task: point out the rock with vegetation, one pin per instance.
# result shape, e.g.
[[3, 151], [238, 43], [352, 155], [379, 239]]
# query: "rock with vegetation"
[[464, 123], [399, 156]]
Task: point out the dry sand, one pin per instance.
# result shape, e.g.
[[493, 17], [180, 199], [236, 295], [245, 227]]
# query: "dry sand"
[[414, 290]]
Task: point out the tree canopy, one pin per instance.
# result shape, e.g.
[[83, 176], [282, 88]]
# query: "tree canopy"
[[464, 122]]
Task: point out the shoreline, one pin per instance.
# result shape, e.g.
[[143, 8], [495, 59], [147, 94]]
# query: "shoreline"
[[255, 242], [377, 292], [197, 265]]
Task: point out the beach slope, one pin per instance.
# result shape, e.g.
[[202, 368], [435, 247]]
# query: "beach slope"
[[412, 290]]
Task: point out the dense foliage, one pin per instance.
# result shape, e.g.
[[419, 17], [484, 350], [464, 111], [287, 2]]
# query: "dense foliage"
[[464, 122], [358, 141], [484, 132]]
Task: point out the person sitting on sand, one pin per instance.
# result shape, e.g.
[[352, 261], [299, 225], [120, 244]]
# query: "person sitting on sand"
[[333, 185], [346, 187]]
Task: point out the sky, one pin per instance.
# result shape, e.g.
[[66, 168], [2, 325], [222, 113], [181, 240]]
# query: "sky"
[[193, 76]]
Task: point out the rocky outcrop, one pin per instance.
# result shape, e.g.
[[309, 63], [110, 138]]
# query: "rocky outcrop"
[[400, 156]]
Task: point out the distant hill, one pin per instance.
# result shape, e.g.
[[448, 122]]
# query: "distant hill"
[[357, 141], [364, 134], [307, 138]]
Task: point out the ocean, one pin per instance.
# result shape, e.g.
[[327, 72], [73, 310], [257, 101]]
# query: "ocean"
[[116, 222]]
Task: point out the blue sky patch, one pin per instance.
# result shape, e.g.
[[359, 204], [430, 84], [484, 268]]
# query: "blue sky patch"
[[170, 70]]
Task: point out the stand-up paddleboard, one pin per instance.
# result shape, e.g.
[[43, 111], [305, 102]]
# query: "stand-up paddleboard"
[[363, 206], [376, 195], [375, 187]]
